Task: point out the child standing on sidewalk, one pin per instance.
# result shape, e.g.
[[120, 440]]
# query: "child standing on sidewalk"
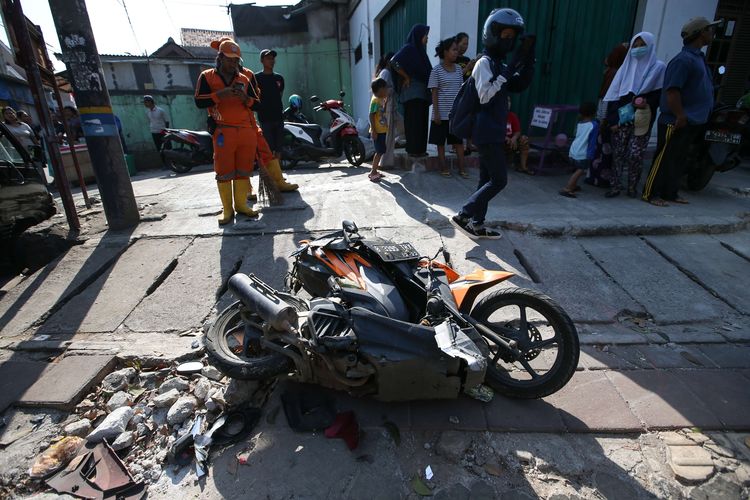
[[445, 82], [583, 148], [378, 124]]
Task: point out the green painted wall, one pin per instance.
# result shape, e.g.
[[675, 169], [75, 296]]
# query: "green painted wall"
[[396, 24], [129, 108], [573, 38], [318, 68]]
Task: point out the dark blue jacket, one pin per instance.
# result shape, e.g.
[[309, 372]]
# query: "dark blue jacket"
[[493, 116]]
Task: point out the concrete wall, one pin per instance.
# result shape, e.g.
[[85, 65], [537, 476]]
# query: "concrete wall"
[[119, 75], [312, 63], [364, 27], [444, 17], [665, 18], [129, 108], [449, 17], [171, 75]]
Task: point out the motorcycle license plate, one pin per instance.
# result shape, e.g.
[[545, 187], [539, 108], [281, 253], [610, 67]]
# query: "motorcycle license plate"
[[721, 136], [394, 252]]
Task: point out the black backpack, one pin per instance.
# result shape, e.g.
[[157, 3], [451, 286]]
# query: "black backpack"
[[465, 107]]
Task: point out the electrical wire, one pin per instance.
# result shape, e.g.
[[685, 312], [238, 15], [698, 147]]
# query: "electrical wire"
[[169, 16], [132, 28]]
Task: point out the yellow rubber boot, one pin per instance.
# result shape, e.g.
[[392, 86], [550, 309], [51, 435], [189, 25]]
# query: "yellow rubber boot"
[[225, 193], [274, 168], [241, 188]]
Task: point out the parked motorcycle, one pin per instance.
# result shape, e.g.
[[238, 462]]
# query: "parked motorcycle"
[[182, 149], [720, 147], [388, 322], [309, 142]]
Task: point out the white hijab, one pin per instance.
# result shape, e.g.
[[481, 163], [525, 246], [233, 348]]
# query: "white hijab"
[[639, 76]]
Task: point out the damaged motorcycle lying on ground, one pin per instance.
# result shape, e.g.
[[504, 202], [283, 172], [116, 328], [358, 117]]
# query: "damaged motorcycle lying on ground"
[[386, 322]]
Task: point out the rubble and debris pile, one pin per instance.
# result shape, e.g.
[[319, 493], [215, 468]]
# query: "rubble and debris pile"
[[165, 417]]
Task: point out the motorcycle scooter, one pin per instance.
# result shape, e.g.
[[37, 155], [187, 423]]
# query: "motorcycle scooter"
[[720, 147], [309, 142], [384, 321], [184, 149]]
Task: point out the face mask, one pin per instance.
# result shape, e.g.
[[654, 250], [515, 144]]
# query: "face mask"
[[505, 45], [639, 52]]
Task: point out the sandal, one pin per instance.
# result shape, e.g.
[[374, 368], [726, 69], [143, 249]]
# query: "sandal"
[[526, 171], [567, 194], [463, 174], [681, 201], [658, 202], [612, 193], [446, 173]]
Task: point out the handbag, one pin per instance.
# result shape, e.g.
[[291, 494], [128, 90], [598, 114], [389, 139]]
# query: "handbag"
[[627, 112]]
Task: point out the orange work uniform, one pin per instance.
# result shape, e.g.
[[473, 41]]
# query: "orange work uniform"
[[235, 138]]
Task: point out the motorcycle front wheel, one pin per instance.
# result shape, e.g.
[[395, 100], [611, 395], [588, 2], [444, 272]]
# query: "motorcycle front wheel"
[[224, 345], [545, 336], [178, 168], [354, 150]]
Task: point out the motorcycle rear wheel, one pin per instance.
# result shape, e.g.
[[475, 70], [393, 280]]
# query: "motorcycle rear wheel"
[[224, 347], [506, 312], [354, 150], [698, 178], [175, 167]]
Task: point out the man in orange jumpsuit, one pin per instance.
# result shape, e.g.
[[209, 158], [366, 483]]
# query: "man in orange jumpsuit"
[[271, 163], [228, 96]]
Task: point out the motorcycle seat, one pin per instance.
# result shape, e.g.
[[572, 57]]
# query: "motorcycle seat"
[[312, 129]]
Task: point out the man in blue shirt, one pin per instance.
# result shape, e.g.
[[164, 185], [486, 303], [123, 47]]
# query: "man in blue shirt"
[[686, 104]]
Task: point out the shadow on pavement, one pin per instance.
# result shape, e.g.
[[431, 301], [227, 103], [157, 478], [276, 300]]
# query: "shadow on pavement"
[[284, 464], [90, 277]]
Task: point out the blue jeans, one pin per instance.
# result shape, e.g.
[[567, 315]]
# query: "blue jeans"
[[493, 177]]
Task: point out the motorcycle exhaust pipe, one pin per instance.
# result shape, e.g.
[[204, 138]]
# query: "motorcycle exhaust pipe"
[[260, 298]]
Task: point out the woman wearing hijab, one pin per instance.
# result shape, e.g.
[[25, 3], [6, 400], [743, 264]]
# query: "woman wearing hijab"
[[413, 66], [632, 100]]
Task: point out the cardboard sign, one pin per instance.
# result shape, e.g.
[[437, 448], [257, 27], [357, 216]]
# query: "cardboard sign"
[[541, 117]]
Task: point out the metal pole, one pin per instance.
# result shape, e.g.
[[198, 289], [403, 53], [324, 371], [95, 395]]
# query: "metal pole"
[[37, 91], [73, 154], [53, 82], [102, 138]]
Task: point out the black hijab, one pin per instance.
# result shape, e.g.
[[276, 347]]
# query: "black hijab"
[[412, 57]]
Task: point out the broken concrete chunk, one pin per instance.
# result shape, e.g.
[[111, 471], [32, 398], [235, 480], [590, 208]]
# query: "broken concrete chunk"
[[690, 464], [113, 425], [177, 383], [181, 410], [239, 391], [212, 405], [124, 440], [453, 445], [118, 400], [118, 380], [212, 373], [148, 380], [166, 399], [202, 387], [81, 428]]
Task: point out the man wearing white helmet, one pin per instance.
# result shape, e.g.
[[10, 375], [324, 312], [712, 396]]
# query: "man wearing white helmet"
[[493, 79]]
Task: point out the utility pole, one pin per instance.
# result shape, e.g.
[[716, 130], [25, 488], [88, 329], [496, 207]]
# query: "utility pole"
[[85, 74]]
